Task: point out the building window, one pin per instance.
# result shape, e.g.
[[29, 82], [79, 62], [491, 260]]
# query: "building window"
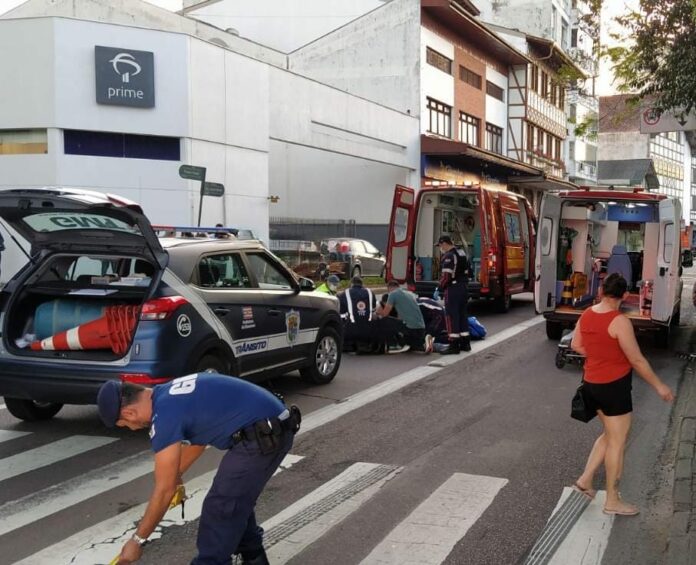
[[495, 91], [23, 141], [667, 153], [544, 84], [440, 118], [469, 128], [574, 37], [534, 78], [571, 150], [564, 35], [109, 144], [470, 77], [573, 112], [494, 139], [438, 61]]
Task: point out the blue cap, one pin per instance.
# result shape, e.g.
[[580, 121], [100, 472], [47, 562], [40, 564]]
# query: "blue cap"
[[109, 402]]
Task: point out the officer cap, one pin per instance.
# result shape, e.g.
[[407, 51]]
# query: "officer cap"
[[333, 279], [444, 239], [109, 403]]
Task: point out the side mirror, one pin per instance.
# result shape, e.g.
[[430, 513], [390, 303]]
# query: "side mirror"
[[306, 284]]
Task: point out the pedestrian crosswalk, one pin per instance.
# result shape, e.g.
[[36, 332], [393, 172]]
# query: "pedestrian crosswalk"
[[577, 532]]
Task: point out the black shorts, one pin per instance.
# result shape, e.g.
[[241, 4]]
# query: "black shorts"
[[614, 398]]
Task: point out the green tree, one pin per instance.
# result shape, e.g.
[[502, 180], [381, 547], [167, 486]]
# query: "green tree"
[[657, 58]]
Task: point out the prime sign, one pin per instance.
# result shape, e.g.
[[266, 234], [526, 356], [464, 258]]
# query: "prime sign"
[[124, 77]]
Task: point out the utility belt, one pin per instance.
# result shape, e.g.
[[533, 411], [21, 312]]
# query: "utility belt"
[[269, 431]]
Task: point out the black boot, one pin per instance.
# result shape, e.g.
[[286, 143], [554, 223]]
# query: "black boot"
[[453, 348], [465, 342], [255, 558]]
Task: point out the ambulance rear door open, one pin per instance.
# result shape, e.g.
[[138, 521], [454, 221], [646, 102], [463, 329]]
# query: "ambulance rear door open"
[[401, 228], [666, 286], [546, 254]]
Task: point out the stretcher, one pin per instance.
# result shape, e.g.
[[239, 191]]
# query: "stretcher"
[[179, 498]]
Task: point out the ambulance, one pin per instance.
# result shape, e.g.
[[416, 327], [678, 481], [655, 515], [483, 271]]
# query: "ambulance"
[[586, 234], [496, 228]]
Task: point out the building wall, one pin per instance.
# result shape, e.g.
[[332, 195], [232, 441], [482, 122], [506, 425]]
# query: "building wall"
[[346, 58]]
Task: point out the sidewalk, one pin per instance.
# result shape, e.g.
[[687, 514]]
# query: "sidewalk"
[[682, 535]]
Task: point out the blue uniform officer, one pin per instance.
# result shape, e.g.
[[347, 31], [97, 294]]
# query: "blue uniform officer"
[[186, 415], [454, 269]]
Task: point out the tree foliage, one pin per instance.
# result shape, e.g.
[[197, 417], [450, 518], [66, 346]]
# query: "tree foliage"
[[657, 59]]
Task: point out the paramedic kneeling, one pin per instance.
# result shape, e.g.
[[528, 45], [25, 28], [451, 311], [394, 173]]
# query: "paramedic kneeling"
[[454, 266], [184, 416]]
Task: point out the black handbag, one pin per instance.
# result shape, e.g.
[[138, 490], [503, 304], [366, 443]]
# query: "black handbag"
[[579, 407]]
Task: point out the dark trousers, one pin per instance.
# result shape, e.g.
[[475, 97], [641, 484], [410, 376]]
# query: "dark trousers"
[[457, 319], [228, 524], [415, 338], [374, 334]]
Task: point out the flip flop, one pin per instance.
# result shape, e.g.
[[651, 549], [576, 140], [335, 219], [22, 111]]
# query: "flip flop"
[[588, 492], [621, 512]]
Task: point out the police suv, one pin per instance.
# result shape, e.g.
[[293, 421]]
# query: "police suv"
[[104, 298]]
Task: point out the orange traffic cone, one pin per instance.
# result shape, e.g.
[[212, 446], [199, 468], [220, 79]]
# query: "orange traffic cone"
[[112, 331]]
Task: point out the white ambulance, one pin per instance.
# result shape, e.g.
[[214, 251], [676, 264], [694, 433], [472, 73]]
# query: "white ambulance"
[[584, 235]]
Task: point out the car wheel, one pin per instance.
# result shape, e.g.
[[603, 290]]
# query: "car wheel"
[[356, 272], [210, 363], [383, 272], [554, 330], [501, 304], [31, 410], [325, 358]]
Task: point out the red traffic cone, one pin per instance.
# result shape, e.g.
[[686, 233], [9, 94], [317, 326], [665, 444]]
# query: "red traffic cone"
[[112, 331]]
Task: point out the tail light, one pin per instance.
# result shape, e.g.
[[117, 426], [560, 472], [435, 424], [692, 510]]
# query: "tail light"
[[492, 261], [161, 308], [143, 379]]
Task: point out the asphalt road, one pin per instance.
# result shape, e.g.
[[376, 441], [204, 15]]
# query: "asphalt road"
[[499, 414]]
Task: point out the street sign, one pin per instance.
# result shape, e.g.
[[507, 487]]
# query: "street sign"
[[192, 172], [652, 122], [213, 189]]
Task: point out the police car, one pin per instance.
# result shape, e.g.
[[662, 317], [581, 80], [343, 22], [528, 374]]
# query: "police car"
[[104, 298]]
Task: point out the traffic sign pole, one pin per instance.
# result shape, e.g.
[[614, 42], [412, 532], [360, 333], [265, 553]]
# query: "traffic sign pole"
[[200, 201]]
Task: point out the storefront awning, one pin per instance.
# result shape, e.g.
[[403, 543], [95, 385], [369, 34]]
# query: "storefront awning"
[[477, 159]]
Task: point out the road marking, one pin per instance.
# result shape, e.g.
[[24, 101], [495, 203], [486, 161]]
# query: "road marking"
[[430, 532], [50, 500], [6, 435], [478, 346], [587, 540], [49, 454], [2, 407], [305, 521], [102, 542]]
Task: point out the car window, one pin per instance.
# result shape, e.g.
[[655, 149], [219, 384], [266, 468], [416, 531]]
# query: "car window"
[[223, 271], [371, 248], [357, 247], [87, 267], [269, 276]]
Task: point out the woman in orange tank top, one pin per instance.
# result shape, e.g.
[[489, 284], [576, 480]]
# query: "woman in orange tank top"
[[607, 340]]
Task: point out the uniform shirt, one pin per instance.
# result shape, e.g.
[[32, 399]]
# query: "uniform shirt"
[[206, 409], [453, 267], [407, 308], [357, 304]]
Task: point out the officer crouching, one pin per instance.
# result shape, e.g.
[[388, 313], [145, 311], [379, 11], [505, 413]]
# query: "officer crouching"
[[186, 415]]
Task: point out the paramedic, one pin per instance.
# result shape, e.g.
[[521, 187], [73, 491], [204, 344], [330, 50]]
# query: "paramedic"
[[454, 267], [408, 311], [329, 286], [186, 415], [361, 323], [607, 340]]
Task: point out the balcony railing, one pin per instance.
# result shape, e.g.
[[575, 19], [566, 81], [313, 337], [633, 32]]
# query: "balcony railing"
[[547, 110], [551, 167]]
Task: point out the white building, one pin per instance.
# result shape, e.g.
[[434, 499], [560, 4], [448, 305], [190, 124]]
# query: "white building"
[[220, 101]]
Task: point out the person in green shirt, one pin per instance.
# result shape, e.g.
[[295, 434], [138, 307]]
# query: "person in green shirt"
[[330, 285], [408, 311]]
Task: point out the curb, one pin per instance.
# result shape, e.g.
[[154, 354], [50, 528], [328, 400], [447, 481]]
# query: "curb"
[[682, 536]]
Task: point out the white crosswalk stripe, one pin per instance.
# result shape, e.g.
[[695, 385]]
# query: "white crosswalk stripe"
[[7, 435], [50, 454], [430, 532], [102, 542]]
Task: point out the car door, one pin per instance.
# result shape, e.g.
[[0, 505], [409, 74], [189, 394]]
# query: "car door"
[[546, 253], [223, 281], [401, 229], [514, 253], [666, 288], [292, 321], [375, 258]]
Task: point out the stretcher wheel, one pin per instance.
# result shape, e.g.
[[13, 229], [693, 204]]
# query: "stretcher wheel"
[[560, 360]]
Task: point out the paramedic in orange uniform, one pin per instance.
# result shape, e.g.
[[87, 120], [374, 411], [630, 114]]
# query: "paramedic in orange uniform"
[[606, 337]]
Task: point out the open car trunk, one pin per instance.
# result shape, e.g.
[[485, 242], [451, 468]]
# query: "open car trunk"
[[67, 291]]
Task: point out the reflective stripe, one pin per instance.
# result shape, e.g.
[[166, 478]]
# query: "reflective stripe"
[[349, 303], [47, 344], [369, 303], [464, 334], [448, 271], [73, 338]]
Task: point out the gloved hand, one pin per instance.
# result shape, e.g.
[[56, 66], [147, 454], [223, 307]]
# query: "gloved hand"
[[436, 294]]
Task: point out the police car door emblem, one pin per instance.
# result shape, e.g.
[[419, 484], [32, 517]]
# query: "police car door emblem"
[[292, 326], [183, 325]]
